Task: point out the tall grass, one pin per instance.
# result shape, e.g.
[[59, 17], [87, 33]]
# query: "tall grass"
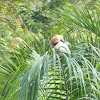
[[50, 77]]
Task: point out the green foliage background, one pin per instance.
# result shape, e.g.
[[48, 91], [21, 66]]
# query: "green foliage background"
[[32, 69]]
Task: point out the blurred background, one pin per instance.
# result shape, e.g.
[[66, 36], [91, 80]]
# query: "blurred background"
[[26, 27]]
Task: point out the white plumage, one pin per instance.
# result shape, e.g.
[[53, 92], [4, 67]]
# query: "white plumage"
[[63, 47]]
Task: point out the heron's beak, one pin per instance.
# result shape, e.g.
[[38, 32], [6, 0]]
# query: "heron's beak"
[[63, 41]]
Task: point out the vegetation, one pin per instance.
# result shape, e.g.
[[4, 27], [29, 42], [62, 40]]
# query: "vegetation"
[[30, 69]]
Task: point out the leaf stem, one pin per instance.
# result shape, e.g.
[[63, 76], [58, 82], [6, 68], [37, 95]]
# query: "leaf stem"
[[64, 80]]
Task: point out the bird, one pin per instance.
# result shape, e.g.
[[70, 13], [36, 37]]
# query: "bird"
[[58, 43]]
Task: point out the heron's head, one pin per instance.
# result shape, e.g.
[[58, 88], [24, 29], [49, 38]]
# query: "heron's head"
[[56, 39]]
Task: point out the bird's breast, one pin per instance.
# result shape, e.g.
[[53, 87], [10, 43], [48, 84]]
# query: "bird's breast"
[[63, 47]]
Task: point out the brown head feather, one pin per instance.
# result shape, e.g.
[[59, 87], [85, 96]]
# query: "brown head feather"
[[56, 39]]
